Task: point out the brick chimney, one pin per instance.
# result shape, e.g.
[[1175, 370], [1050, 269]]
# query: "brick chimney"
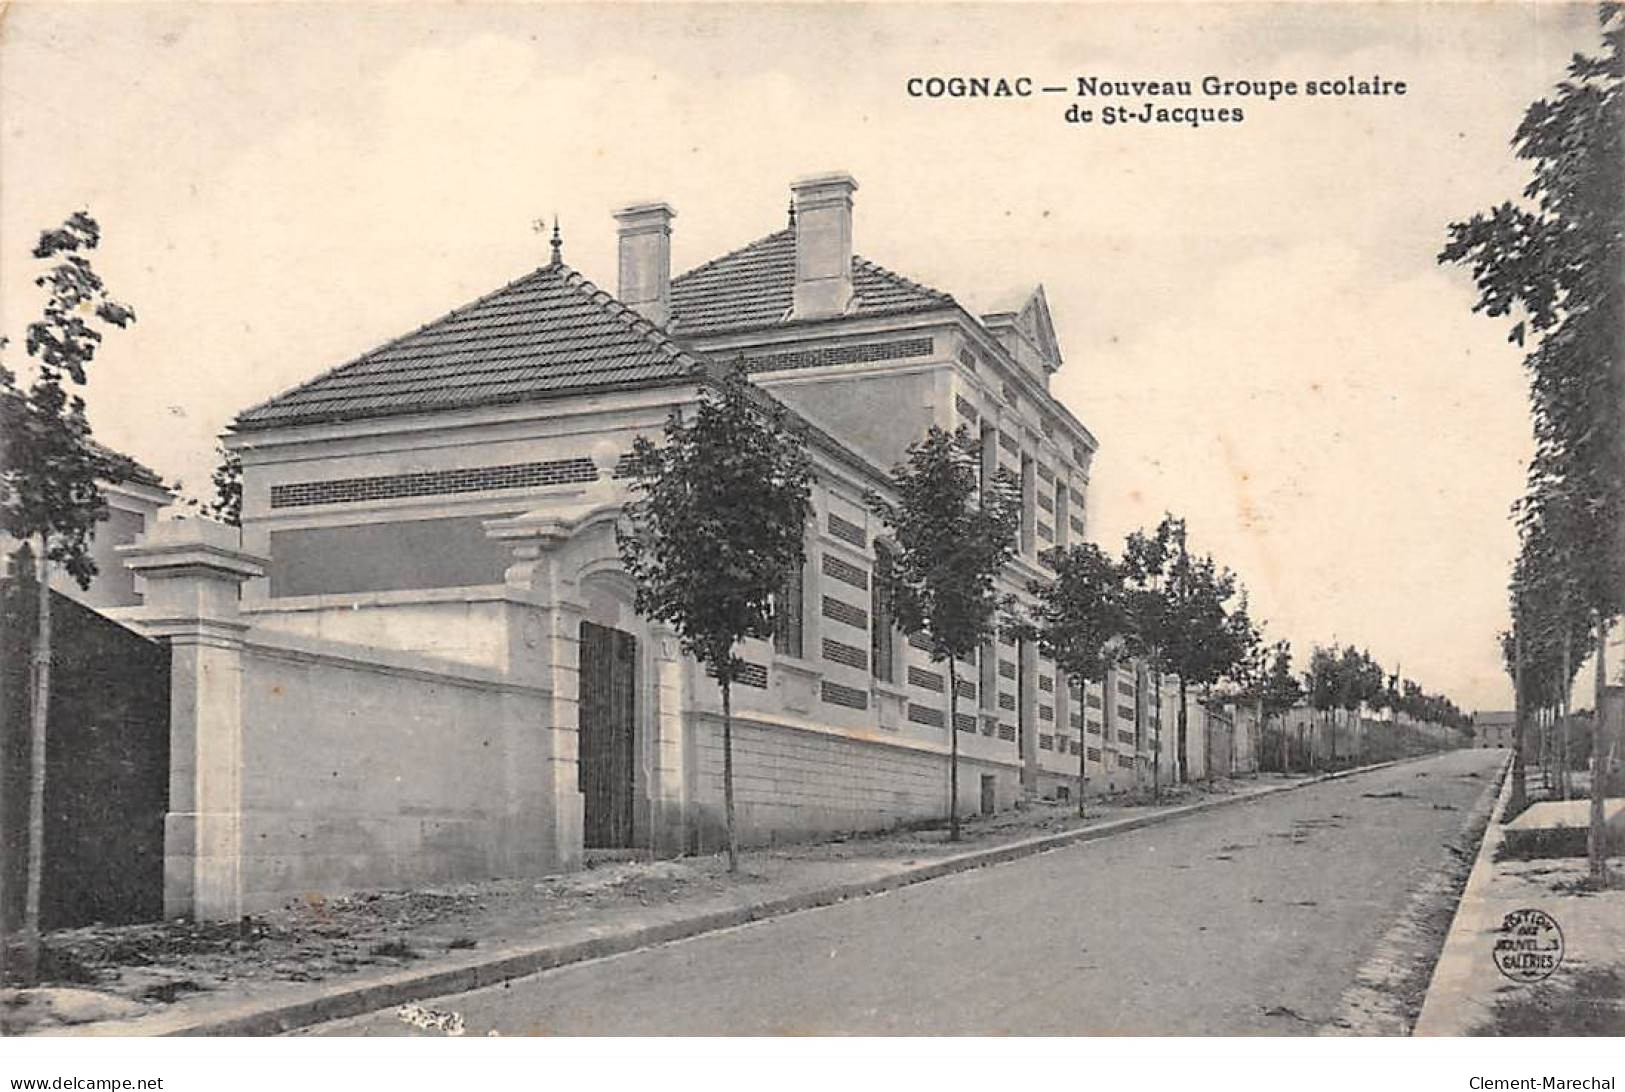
[[823, 205], [645, 260]]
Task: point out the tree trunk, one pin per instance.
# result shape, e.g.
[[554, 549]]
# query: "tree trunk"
[[1181, 757], [728, 773], [36, 772], [953, 749], [1258, 738], [1083, 739], [1516, 802], [1563, 785], [7, 565], [1156, 740], [1597, 839]]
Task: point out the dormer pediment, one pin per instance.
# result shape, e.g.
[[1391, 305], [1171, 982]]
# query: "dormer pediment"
[[1026, 330]]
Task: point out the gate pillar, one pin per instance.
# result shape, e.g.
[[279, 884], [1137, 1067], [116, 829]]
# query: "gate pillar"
[[193, 571]]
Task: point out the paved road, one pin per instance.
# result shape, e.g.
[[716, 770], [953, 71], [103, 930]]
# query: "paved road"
[[1250, 919]]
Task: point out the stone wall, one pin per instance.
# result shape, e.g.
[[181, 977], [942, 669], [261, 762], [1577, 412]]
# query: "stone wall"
[[793, 784], [362, 769]]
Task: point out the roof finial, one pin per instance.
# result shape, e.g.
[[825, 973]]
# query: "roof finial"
[[558, 243], [792, 213]]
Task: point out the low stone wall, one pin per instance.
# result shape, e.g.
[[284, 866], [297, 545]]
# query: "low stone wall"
[[793, 784], [363, 769]]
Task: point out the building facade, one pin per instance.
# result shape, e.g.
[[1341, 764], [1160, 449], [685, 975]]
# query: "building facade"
[[433, 670], [1497, 729]]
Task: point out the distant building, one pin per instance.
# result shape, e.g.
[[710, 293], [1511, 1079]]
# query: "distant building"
[[1494, 729], [134, 494]]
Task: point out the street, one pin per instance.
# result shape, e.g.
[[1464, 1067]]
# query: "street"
[[1248, 919]]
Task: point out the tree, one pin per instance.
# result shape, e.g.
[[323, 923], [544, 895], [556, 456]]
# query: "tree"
[[1281, 691], [1360, 682], [1245, 672], [51, 494], [950, 536], [1555, 263], [1324, 690], [1079, 620], [227, 506], [1196, 637], [1152, 626], [715, 530]]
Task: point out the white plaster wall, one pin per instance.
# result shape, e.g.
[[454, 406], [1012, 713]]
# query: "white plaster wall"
[[464, 625], [365, 775]]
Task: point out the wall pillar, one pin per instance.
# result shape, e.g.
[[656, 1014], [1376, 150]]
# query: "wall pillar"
[[545, 800], [668, 789], [193, 570]]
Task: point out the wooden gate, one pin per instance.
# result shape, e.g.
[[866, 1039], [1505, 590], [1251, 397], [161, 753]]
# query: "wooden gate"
[[605, 750]]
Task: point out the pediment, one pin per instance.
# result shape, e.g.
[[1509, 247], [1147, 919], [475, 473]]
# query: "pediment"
[[1035, 323]]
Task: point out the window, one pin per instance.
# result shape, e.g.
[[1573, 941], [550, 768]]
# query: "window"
[[1029, 506], [881, 632], [787, 627]]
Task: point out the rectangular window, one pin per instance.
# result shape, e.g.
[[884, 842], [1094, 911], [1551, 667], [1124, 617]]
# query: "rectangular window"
[[989, 675], [838, 652], [787, 627], [845, 613], [849, 696], [1029, 506], [847, 531], [882, 635], [928, 680], [925, 714]]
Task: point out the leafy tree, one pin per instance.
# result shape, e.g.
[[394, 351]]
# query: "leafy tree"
[[951, 536], [715, 529], [1079, 619], [1152, 623], [1361, 683], [1552, 262], [227, 506], [1324, 689], [1244, 678], [49, 491], [1281, 691], [1196, 637]]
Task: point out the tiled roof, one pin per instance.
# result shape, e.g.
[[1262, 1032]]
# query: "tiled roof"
[[753, 287], [548, 333], [125, 469]]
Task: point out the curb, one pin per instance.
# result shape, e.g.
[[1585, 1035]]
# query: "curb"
[[1447, 1008], [519, 962]]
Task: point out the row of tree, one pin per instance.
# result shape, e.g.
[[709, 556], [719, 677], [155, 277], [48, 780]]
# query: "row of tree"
[[716, 530], [1553, 263]]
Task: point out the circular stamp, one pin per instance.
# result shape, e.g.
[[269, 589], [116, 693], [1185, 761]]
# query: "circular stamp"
[[1528, 946]]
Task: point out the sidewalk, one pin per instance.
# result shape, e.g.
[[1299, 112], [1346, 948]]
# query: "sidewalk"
[[329, 958], [1584, 996]]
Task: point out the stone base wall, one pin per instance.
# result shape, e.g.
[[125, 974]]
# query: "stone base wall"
[[793, 784]]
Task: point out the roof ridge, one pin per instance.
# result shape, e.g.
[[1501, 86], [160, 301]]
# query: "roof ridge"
[[734, 253], [390, 343], [648, 331]]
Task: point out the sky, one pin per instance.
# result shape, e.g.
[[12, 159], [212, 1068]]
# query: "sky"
[[1252, 317]]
